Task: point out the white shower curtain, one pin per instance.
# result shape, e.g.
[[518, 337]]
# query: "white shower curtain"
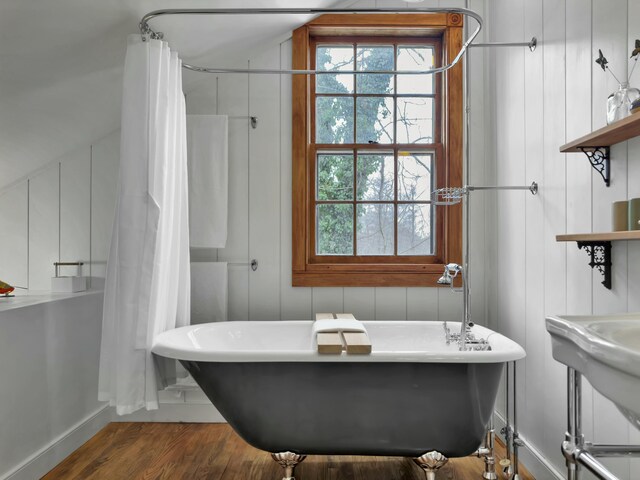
[[147, 289]]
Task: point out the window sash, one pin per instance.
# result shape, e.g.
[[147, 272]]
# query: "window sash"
[[435, 148], [396, 202], [437, 219], [396, 42]]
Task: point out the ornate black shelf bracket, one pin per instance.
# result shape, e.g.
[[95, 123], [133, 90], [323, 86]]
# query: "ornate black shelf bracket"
[[599, 160], [600, 253]]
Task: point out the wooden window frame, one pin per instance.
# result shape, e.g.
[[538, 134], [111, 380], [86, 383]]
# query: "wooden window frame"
[[307, 268]]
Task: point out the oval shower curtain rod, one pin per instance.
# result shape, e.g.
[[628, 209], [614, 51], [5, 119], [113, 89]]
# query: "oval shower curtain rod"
[[146, 30]]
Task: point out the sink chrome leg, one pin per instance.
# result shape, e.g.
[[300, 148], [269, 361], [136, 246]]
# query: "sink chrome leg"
[[288, 461], [574, 440], [575, 450], [431, 462]]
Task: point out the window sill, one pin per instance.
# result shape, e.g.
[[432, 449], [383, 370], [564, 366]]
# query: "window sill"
[[368, 279]]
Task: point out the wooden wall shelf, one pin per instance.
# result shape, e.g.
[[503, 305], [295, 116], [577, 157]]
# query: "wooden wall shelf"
[[595, 145], [598, 247], [599, 237], [605, 137]]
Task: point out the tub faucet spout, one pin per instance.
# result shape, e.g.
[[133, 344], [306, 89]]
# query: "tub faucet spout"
[[451, 271], [466, 339]]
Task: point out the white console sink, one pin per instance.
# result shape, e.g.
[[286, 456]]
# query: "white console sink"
[[606, 350]]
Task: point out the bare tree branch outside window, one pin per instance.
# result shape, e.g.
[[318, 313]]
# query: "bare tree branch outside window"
[[389, 190]]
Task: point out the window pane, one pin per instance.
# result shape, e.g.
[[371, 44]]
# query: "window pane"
[[375, 229], [334, 120], [374, 176], [415, 120], [334, 229], [374, 58], [415, 58], [330, 59], [414, 229], [374, 117], [414, 177], [334, 177]]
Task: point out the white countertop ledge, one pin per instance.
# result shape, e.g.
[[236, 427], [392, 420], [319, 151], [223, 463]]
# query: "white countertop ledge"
[[24, 300]]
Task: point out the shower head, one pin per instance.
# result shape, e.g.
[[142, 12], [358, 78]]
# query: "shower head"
[[448, 195]]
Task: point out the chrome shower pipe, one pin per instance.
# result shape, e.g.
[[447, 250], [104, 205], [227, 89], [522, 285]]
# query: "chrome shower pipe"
[[514, 436], [533, 188], [516, 441], [510, 431], [507, 429], [487, 453], [271, 71], [466, 296], [532, 44], [145, 30]]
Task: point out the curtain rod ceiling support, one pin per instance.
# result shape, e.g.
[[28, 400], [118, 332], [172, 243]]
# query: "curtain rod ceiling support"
[[532, 44], [147, 32]]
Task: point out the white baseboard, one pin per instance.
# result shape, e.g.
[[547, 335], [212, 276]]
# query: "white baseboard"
[[189, 406], [42, 461], [531, 457], [175, 412]]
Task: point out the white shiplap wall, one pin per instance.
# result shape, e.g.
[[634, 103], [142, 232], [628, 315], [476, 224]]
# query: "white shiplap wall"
[[62, 212], [260, 201], [541, 101]]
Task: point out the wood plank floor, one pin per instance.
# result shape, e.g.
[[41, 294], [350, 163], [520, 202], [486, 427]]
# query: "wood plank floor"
[[176, 451]]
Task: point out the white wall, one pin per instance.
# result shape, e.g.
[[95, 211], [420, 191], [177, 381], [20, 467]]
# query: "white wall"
[[260, 203], [62, 212], [541, 101], [48, 401], [14, 251]]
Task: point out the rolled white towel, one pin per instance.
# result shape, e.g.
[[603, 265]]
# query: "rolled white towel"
[[338, 325]]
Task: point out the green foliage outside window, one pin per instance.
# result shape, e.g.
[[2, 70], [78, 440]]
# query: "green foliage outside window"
[[374, 179]]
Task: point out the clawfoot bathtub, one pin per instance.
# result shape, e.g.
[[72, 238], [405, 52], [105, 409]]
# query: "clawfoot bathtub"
[[411, 396]]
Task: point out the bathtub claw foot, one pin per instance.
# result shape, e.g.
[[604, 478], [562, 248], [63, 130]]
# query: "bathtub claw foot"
[[431, 462], [288, 461]]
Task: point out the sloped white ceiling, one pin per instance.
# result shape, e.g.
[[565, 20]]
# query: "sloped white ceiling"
[[61, 65]]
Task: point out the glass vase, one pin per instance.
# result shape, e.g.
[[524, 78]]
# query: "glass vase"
[[619, 102]]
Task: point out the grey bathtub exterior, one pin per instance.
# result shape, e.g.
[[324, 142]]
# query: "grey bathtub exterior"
[[354, 408]]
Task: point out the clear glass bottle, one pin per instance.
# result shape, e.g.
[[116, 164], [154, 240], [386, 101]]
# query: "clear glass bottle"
[[619, 102]]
